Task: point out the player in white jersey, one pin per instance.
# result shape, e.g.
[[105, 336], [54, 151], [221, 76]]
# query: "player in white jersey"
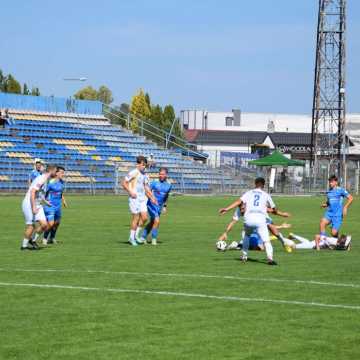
[[136, 183], [319, 242], [256, 202], [33, 210]]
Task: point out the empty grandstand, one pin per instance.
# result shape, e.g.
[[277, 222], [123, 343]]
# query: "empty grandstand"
[[96, 154]]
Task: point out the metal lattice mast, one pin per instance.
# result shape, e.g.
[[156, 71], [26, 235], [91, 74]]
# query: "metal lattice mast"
[[328, 115]]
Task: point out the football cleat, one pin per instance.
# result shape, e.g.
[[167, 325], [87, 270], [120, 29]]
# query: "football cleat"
[[153, 242], [348, 243], [140, 240], [133, 242], [233, 246], [243, 258], [271, 262]]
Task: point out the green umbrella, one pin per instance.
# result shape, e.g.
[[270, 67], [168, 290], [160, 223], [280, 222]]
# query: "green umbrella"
[[276, 159]]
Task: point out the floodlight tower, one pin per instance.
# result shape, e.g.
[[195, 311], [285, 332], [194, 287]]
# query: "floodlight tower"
[[328, 113]]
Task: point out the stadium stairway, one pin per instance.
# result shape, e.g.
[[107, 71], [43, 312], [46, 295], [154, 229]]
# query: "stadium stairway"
[[95, 153]]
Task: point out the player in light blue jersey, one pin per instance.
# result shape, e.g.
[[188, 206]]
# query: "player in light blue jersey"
[[55, 198], [335, 209], [161, 189], [39, 169]]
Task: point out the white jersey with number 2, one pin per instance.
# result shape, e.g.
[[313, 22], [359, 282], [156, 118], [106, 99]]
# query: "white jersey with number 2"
[[256, 203]]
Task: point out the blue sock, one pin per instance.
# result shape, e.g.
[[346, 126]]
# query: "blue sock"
[[145, 233], [154, 233], [53, 233]]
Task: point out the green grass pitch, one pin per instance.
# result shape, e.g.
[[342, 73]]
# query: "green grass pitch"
[[173, 311]]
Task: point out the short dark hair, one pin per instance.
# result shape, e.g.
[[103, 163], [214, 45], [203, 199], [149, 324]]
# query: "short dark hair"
[[50, 167], [333, 178], [164, 169], [60, 168], [260, 181], [141, 159], [38, 162]]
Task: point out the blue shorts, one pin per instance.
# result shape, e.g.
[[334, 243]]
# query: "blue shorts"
[[254, 241], [335, 220], [52, 214], [154, 211]]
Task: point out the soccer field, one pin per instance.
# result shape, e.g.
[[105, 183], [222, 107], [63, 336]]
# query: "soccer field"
[[92, 296]]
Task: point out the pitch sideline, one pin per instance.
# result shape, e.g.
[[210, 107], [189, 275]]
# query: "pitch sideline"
[[181, 294], [184, 275]]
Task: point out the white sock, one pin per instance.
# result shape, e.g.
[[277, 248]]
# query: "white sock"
[[25, 243], [268, 249], [132, 235], [138, 231], [281, 238], [35, 237], [299, 238], [245, 246], [288, 242]]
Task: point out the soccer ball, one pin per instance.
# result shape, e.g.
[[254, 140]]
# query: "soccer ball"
[[221, 245]]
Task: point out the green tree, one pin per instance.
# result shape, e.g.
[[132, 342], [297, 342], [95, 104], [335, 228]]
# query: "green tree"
[[35, 91], [168, 117], [104, 95], [148, 101], [26, 90], [125, 108], [139, 109], [86, 93], [156, 115], [12, 85], [2, 81]]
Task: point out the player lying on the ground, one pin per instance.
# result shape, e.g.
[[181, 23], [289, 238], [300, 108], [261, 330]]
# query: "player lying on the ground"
[[161, 189], [32, 207], [274, 229], [55, 198], [327, 242], [136, 183], [335, 210], [256, 202], [255, 242]]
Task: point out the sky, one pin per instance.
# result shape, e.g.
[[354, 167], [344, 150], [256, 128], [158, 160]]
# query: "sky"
[[257, 56]]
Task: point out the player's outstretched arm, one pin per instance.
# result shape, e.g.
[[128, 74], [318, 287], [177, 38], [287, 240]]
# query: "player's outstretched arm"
[[230, 207], [277, 212], [64, 201], [32, 201], [350, 199]]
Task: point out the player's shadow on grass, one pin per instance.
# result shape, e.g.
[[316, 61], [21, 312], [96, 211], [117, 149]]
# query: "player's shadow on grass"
[[127, 243], [259, 261]]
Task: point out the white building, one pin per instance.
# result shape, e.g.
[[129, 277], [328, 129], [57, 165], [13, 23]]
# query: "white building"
[[221, 133]]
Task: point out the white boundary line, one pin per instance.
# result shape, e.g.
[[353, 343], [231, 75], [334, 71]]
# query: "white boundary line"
[[184, 275], [180, 294]]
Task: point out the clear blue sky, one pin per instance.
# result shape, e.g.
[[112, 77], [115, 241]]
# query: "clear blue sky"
[[212, 54]]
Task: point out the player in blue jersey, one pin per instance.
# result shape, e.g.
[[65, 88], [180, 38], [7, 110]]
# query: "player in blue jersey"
[[39, 169], [335, 210], [161, 189], [55, 198]]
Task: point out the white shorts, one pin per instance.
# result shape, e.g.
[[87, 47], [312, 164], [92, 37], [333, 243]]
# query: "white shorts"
[[30, 218], [137, 206], [255, 222]]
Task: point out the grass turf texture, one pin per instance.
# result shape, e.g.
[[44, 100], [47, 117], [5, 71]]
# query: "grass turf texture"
[[55, 323]]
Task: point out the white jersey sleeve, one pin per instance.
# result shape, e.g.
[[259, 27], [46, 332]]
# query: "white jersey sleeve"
[[270, 202], [131, 175]]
